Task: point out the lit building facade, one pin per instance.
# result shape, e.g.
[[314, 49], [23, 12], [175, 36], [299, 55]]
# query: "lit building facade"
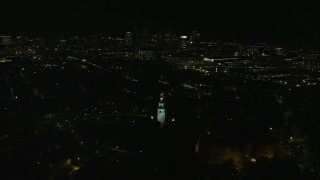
[[161, 113]]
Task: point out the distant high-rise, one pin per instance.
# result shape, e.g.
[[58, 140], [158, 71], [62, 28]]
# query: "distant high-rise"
[[129, 39], [183, 42], [5, 40], [195, 38], [63, 43], [279, 52], [142, 37], [165, 39], [168, 38]]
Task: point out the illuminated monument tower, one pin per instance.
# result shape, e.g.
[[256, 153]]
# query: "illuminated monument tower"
[[161, 115]]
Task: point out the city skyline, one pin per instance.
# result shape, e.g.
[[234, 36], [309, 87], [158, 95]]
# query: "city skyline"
[[225, 20]]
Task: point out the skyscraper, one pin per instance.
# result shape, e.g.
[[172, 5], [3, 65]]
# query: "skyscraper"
[[195, 38], [129, 39], [5, 40], [183, 42], [143, 38]]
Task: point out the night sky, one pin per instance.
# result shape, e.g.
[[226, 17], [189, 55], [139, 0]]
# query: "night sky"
[[246, 20]]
